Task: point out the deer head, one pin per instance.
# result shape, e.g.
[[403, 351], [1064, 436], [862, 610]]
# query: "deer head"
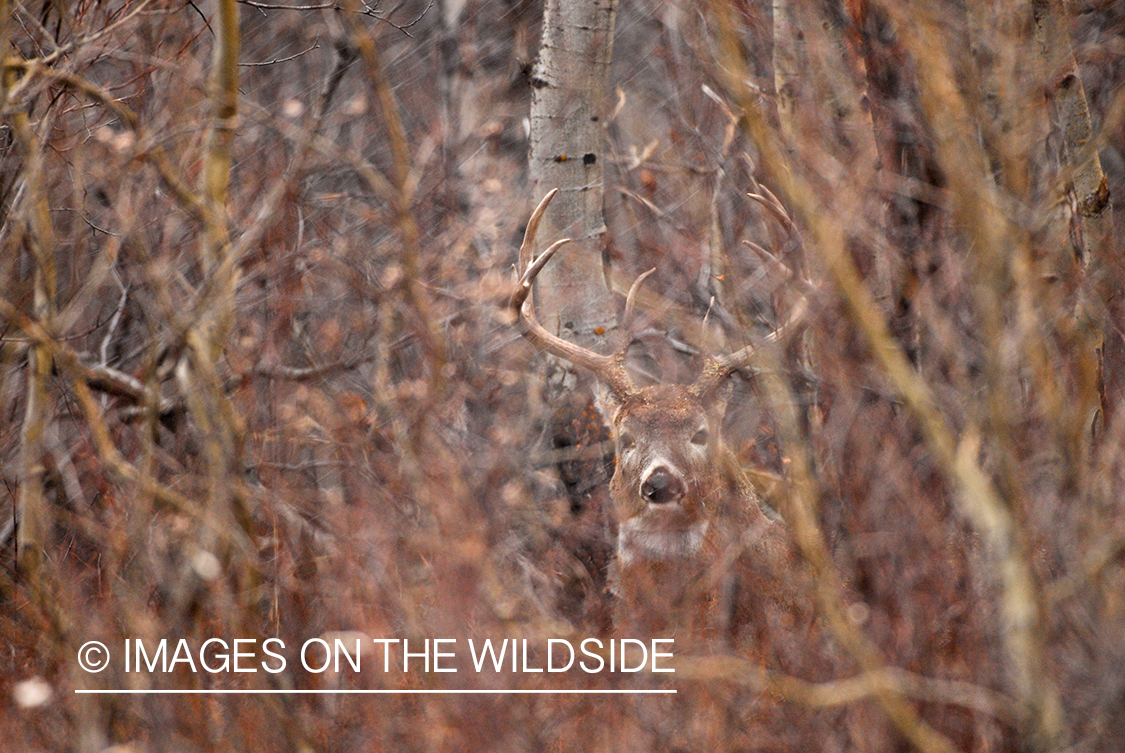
[[672, 476]]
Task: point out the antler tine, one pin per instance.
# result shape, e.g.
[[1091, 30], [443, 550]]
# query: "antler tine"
[[771, 203], [527, 248], [631, 298], [536, 267], [736, 361], [719, 368], [610, 369]]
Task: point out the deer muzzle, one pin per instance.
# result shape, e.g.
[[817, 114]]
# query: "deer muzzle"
[[663, 486]]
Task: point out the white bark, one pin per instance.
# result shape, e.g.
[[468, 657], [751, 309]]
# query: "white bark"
[[568, 153]]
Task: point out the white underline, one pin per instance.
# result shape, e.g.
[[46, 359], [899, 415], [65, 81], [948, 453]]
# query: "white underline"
[[189, 691]]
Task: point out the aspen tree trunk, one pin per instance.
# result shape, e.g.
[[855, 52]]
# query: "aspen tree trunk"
[[575, 301], [568, 153]]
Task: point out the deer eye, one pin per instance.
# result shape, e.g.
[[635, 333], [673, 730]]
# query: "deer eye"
[[626, 441], [700, 437]]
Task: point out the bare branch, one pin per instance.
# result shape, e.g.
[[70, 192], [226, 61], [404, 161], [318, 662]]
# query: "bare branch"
[[851, 690]]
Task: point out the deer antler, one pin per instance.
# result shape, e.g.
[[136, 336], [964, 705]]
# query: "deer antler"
[[610, 369], [717, 368]]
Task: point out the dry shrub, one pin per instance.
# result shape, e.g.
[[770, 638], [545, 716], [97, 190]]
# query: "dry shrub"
[[385, 473]]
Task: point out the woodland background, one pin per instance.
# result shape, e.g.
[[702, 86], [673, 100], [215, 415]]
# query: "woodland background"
[[257, 379]]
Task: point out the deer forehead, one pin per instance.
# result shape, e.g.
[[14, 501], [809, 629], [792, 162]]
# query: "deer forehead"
[[666, 408]]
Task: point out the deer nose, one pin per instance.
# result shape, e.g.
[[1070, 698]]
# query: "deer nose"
[[663, 487]]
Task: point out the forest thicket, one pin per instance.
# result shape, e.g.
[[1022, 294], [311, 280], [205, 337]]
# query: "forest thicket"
[[258, 380]]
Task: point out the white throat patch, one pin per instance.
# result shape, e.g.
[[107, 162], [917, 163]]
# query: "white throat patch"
[[638, 540]]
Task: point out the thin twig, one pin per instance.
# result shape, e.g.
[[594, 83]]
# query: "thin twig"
[[843, 692], [315, 46]]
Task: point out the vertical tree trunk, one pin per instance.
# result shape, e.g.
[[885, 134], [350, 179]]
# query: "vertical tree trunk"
[[575, 301], [568, 153]]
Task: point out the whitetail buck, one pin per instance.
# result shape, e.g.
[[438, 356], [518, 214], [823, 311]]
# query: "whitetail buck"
[[685, 510]]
